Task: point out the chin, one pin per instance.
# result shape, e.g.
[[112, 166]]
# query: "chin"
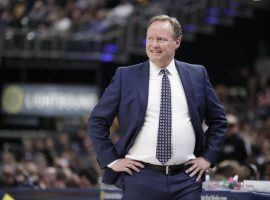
[[157, 59]]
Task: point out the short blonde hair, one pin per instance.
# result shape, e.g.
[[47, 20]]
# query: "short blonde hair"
[[177, 29]]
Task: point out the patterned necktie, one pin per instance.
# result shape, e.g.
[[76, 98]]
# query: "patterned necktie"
[[164, 149]]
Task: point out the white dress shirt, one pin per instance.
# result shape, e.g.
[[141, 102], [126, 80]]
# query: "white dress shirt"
[[183, 136]]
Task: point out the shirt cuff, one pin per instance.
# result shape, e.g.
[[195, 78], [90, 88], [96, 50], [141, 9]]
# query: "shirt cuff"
[[112, 163]]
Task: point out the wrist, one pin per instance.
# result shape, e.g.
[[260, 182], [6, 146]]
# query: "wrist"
[[112, 163]]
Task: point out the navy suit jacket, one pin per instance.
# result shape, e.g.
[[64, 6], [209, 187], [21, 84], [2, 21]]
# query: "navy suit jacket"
[[126, 97]]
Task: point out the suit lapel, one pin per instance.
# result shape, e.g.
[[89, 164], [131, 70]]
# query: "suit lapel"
[[143, 85], [186, 82], [142, 79], [189, 92]]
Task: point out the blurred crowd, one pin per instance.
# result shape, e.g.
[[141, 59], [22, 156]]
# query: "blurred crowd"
[[65, 16], [63, 159], [247, 144], [57, 161]]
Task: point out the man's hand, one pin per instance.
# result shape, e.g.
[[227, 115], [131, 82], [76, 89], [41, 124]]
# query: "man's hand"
[[198, 166], [127, 165]]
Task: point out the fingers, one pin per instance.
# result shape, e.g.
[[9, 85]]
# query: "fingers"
[[126, 169], [131, 166], [134, 165], [192, 168], [198, 166], [127, 165], [194, 172], [199, 176], [138, 164]]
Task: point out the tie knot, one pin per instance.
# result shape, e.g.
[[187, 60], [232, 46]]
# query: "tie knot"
[[164, 71]]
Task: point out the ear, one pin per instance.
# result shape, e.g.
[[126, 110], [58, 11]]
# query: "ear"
[[178, 42]]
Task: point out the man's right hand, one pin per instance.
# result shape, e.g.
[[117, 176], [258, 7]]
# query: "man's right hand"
[[127, 165]]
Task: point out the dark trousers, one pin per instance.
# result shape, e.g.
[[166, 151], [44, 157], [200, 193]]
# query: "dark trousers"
[[152, 185]]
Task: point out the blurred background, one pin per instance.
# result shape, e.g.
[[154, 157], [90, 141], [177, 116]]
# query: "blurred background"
[[57, 57]]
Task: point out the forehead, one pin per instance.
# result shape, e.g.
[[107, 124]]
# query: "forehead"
[[160, 27]]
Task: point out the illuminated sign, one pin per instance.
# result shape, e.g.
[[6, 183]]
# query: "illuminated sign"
[[48, 100]]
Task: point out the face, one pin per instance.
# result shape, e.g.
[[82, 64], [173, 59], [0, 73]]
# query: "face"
[[161, 43]]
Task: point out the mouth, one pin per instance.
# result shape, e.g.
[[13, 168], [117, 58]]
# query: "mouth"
[[155, 52]]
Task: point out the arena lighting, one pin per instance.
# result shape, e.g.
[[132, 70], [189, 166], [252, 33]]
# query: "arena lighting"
[[107, 57], [212, 16], [211, 20], [110, 48], [230, 12]]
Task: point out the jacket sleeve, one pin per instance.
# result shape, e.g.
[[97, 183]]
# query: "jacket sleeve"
[[101, 119], [216, 121]]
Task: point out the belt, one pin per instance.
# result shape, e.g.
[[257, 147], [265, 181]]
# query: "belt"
[[166, 169]]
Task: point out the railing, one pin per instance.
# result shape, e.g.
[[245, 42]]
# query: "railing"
[[32, 44], [117, 43]]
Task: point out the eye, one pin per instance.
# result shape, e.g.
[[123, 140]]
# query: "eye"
[[162, 40]]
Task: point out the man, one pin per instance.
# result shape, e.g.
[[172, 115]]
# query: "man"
[[160, 105], [234, 147]]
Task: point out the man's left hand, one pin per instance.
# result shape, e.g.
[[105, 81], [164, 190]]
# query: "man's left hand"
[[198, 166]]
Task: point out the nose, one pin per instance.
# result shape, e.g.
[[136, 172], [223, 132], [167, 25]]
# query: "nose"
[[155, 43]]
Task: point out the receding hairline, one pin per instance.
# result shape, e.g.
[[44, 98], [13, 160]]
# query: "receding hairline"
[[176, 26]]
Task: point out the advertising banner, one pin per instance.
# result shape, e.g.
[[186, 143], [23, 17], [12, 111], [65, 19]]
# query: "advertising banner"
[[48, 100]]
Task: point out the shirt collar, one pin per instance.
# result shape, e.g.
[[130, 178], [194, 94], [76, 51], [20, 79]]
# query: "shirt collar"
[[154, 69]]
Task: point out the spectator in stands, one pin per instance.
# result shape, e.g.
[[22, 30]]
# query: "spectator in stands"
[[8, 176], [234, 146], [231, 168], [48, 178], [226, 169], [88, 177], [266, 171], [253, 171], [40, 165], [38, 14]]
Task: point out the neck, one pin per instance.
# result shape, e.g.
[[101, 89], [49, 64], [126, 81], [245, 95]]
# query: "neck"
[[162, 65]]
